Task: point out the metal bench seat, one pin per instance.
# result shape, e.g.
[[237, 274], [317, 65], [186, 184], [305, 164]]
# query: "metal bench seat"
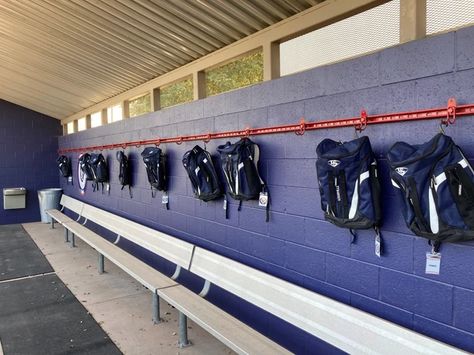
[[338, 324]]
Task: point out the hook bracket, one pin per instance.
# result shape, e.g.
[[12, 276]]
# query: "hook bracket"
[[301, 128], [359, 127], [450, 112], [247, 132]]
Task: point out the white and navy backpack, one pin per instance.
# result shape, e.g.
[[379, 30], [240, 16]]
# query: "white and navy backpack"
[[239, 163], [436, 184], [349, 185]]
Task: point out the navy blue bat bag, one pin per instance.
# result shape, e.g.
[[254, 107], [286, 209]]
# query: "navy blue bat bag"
[[436, 184], [349, 185]]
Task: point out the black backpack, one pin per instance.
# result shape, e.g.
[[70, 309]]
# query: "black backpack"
[[85, 166], [125, 173], [155, 163], [64, 165], [100, 171], [436, 184], [349, 185], [239, 163], [200, 168]]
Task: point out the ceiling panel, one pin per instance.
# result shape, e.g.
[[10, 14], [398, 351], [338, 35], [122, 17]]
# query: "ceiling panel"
[[59, 57]]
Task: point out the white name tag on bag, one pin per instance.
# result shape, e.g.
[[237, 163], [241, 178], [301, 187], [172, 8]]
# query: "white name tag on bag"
[[433, 263], [164, 198], [263, 199]]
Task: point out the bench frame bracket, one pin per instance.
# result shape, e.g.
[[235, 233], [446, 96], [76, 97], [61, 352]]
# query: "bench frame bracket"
[[183, 341], [101, 263], [155, 304]]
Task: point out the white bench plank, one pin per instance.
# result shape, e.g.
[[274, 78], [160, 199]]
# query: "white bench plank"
[[59, 216], [170, 248], [72, 204], [232, 332], [345, 327], [146, 275]]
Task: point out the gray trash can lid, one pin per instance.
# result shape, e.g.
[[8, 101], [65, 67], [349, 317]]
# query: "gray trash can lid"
[[10, 191], [52, 190]]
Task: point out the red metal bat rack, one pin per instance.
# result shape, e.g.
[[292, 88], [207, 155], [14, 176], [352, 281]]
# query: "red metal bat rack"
[[447, 115]]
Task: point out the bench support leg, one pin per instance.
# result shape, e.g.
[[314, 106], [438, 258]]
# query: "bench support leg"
[[183, 331], [101, 263], [73, 240], [52, 223], [156, 308], [66, 235]]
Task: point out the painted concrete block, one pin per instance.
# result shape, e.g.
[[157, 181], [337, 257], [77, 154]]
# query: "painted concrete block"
[[292, 172], [352, 275], [325, 236], [464, 50], [397, 250], [287, 227], [464, 309], [305, 260], [434, 300], [398, 289], [352, 74], [288, 113], [417, 59]]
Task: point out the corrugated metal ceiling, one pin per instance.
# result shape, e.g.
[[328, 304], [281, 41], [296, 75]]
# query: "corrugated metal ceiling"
[[61, 56]]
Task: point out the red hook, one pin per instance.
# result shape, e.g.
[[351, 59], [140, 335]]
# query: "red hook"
[[180, 141], [450, 112], [247, 132], [157, 142], [302, 127], [363, 121], [208, 138]]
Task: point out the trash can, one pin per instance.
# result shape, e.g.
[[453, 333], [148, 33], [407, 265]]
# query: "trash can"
[[48, 199], [14, 198]]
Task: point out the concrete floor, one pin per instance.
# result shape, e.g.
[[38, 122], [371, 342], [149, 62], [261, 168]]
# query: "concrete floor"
[[116, 301]]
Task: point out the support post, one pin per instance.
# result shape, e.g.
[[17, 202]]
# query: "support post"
[[199, 85], [66, 235], [183, 331], [52, 223], [156, 308], [412, 20], [88, 121], [155, 99], [73, 240], [75, 126], [103, 117], [101, 263], [271, 60], [125, 109], [65, 129]]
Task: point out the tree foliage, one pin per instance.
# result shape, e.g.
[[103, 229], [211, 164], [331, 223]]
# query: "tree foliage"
[[242, 72], [140, 105], [177, 93]]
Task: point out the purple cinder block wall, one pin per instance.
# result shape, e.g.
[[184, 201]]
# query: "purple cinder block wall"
[[28, 145], [297, 244]]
